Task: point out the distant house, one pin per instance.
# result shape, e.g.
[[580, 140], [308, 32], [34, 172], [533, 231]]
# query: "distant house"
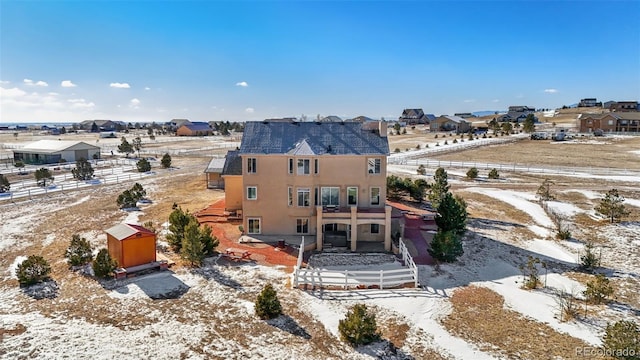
[[415, 116], [622, 106], [195, 129], [608, 104], [362, 119], [588, 102], [521, 108], [53, 151], [450, 123], [517, 114], [174, 124], [331, 118], [464, 115], [99, 125], [611, 122], [131, 245]]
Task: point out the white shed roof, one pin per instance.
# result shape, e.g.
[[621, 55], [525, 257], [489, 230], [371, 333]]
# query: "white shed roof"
[[52, 146]]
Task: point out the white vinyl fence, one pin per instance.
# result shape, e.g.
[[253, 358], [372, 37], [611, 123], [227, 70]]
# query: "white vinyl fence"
[[350, 278]]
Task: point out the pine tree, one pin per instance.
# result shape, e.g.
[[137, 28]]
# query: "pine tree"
[[599, 290], [137, 144], [622, 340], [126, 200], [612, 206], [104, 265], [79, 251], [192, 248], [178, 221], [43, 175], [166, 161], [143, 165], [529, 125], [138, 192], [493, 174], [33, 270], [209, 241], [452, 215], [439, 188], [472, 173], [4, 184], [83, 170], [446, 246], [359, 326], [589, 261], [267, 305], [125, 147], [544, 191]]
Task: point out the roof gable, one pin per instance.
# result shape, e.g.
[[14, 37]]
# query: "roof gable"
[[124, 231], [343, 138], [232, 163]]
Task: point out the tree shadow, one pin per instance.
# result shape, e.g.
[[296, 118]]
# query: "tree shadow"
[[45, 290], [384, 350], [213, 273], [288, 324], [157, 286], [489, 224]]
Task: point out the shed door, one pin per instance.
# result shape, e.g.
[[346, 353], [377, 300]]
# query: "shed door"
[[82, 154]]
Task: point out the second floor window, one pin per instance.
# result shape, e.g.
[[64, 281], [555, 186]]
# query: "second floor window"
[[303, 197], [375, 196], [303, 167], [330, 196], [251, 165], [374, 166], [290, 166], [316, 166], [252, 192]]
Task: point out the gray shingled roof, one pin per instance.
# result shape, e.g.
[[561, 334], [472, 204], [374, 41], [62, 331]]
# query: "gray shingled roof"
[[232, 163], [344, 138]]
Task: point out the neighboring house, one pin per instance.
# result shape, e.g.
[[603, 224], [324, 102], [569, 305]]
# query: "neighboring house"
[[100, 125], [517, 114], [131, 245], [622, 106], [608, 104], [53, 151], [612, 122], [174, 124], [450, 123], [588, 102], [213, 173], [195, 129], [321, 179], [415, 116], [521, 108], [362, 119], [331, 118], [464, 115]]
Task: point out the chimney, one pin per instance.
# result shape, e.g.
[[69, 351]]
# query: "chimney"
[[382, 128]]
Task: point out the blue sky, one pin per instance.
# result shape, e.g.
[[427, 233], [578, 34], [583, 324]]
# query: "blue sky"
[[250, 60]]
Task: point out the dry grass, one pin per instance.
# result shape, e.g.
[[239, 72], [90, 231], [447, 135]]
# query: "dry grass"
[[611, 153], [479, 316]]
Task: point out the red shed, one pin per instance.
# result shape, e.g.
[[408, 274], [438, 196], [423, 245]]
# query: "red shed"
[[131, 245]]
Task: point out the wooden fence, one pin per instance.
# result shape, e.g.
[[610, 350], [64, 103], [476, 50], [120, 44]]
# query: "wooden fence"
[[356, 278]]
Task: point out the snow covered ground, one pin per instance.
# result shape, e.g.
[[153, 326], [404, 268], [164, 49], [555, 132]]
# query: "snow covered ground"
[[208, 313]]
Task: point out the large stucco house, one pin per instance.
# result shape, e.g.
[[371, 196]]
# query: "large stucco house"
[[321, 179]]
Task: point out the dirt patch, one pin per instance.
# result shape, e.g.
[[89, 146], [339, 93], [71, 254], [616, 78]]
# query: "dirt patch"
[[480, 317]]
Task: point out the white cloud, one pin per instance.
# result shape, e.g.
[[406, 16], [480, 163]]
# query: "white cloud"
[[81, 104], [120, 85], [5, 82], [11, 93], [67, 84], [35, 83], [54, 94], [242, 84], [470, 100], [134, 103], [147, 88], [495, 100], [249, 110], [551, 91]]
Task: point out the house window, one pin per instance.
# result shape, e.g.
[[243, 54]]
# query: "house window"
[[375, 228], [290, 196], [303, 197], [610, 122], [330, 196], [374, 166], [375, 196], [303, 167], [316, 166], [330, 227], [290, 166], [253, 225], [352, 196], [302, 226], [252, 192], [251, 165]]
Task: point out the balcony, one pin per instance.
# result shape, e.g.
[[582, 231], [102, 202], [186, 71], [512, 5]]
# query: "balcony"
[[344, 212]]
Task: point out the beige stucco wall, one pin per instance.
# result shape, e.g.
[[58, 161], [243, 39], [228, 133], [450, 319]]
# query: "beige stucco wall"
[[233, 192], [273, 180]]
